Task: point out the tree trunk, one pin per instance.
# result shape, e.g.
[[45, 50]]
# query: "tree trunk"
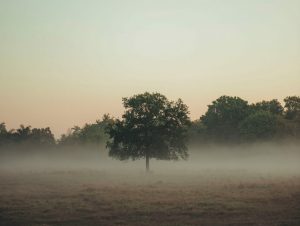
[[147, 163]]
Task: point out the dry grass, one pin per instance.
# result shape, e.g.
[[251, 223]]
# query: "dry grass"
[[99, 198]]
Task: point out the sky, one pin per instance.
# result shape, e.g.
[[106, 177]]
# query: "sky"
[[67, 62]]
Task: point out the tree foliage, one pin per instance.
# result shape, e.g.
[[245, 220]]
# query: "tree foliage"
[[89, 134], [151, 127], [223, 117], [231, 119], [24, 135], [260, 125], [292, 105], [272, 106]]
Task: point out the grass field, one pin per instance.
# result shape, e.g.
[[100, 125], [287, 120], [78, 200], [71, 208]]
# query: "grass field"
[[96, 197]]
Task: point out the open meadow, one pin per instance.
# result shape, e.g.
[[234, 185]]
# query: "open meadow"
[[173, 193]]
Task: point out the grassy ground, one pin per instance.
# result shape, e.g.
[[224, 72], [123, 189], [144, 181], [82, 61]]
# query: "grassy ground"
[[101, 198]]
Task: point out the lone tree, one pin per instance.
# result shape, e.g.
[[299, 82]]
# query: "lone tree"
[[151, 127]]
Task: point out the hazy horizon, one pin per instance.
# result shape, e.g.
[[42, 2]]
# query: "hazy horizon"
[[66, 63]]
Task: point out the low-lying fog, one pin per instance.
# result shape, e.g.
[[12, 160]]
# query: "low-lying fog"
[[270, 158]]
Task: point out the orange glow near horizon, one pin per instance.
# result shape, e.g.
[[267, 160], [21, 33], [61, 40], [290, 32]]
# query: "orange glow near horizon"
[[65, 64]]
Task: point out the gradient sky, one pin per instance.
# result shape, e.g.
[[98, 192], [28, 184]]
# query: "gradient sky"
[[67, 62]]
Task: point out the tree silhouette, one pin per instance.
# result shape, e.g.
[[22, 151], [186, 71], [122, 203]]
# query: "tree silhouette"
[[292, 105], [90, 134], [272, 106], [223, 117], [261, 125], [151, 127], [4, 134]]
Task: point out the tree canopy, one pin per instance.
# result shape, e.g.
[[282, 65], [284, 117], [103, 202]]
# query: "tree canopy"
[[224, 115], [89, 134], [151, 127], [231, 119], [272, 106], [292, 105], [25, 135], [259, 125]]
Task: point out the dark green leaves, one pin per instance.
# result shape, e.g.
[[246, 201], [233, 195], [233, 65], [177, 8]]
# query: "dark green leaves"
[[151, 125]]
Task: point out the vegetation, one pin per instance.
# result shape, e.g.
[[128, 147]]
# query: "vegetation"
[[259, 125], [223, 117], [89, 134], [154, 127], [292, 105], [151, 127], [232, 119], [25, 136], [207, 197]]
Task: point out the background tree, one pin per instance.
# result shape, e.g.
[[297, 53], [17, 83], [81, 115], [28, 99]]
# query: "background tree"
[[95, 133], [292, 115], [4, 134], [90, 134], [292, 106], [22, 134], [151, 127], [272, 106], [42, 137], [25, 137], [197, 133], [261, 125], [224, 116]]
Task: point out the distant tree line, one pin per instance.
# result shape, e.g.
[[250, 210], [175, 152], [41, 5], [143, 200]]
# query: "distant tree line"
[[227, 120], [232, 119], [26, 136], [92, 135]]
